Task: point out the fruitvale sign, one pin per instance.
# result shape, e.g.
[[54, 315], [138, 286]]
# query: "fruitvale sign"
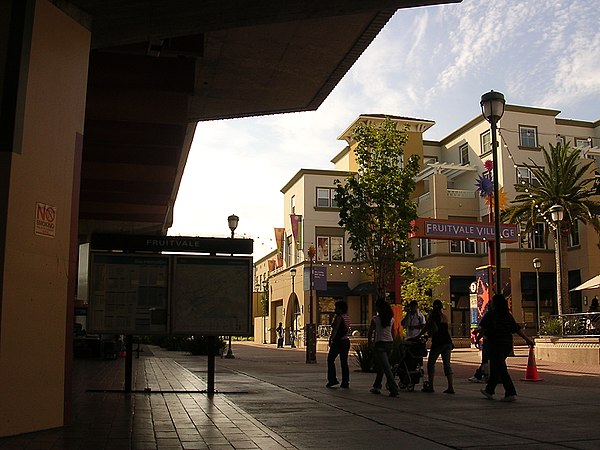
[[450, 229]]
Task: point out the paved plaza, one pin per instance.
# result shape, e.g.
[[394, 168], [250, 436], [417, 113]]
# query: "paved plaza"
[[270, 398]]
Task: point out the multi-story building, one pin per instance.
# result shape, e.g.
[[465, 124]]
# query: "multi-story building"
[[446, 189]]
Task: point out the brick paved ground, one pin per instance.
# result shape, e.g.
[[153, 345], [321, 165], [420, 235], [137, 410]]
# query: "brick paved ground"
[[270, 398]]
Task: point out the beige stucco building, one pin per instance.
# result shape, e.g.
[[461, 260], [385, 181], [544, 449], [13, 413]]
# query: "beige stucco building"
[[446, 189]]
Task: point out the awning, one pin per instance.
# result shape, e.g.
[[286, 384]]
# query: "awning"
[[364, 289], [335, 289], [592, 283]]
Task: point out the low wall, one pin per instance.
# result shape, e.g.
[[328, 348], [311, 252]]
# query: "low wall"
[[572, 350]]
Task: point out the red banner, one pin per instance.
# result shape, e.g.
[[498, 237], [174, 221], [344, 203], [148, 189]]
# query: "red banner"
[[279, 239], [296, 221]]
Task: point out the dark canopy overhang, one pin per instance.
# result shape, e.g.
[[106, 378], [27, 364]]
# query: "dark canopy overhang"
[[157, 68]]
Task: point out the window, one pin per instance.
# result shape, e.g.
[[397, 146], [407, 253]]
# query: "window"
[[463, 151], [535, 240], [465, 247], [528, 137], [330, 248], [539, 236], [486, 142], [288, 250], [293, 204], [326, 198], [424, 247], [574, 235], [526, 176], [582, 143], [429, 160], [337, 248]]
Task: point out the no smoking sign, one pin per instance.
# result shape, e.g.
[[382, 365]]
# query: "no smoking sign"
[[45, 220]]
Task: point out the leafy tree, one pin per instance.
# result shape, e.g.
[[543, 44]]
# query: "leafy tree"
[[418, 283], [563, 181], [375, 205]]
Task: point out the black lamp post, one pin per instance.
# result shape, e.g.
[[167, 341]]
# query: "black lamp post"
[[537, 263], [492, 108], [232, 221], [266, 306], [293, 329], [557, 213], [311, 335]]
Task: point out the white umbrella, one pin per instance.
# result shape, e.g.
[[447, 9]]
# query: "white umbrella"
[[592, 283]]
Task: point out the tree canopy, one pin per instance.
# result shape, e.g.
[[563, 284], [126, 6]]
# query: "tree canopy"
[[418, 284], [564, 181], [375, 203]]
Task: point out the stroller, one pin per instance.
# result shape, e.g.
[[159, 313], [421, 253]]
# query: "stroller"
[[410, 368]]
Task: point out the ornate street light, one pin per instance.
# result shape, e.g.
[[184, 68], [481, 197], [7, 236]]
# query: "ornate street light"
[[492, 109], [537, 263], [557, 213], [293, 330], [232, 221]]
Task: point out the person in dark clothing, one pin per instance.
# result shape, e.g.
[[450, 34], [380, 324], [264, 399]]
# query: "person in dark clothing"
[[339, 344], [441, 344], [498, 326], [280, 334]]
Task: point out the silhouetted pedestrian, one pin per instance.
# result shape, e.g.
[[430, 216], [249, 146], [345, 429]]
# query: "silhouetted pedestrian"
[[339, 345], [498, 326]]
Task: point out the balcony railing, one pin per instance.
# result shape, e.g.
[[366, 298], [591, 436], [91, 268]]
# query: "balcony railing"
[[578, 324], [461, 193]]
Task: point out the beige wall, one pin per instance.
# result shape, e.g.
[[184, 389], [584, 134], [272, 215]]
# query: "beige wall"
[[35, 291]]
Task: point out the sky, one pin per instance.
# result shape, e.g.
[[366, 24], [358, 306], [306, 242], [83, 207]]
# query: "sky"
[[429, 63]]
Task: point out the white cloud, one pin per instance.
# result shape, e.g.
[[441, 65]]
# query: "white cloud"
[[432, 63]]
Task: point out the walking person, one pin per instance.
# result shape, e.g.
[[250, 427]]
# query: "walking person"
[[382, 332], [441, 344], [498, 326], [413, 321], [280, 334], [339, 345]]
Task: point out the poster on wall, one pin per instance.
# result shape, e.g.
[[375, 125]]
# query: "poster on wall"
[[212, 296]]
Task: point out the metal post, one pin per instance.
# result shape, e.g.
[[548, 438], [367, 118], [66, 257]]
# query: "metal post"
[[294, 312], [210, 382], [128, 362], [497, 234], [537, 286], [311, 334]]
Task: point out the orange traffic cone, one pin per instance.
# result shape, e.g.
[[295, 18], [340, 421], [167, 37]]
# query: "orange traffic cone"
[[531, 374]]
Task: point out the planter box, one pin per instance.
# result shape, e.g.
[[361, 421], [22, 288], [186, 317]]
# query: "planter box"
[[571, 350]]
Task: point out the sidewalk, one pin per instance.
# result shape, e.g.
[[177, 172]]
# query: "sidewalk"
[[270, 398]]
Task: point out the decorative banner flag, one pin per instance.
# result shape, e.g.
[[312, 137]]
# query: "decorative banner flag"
[[279, 239], [271, 265], [297, 229]]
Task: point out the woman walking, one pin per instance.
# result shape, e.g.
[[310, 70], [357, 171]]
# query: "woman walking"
[[498, 326], [339, 344], [441, 344], [382, 331]]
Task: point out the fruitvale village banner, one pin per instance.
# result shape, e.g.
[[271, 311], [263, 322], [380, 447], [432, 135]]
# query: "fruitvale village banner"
[[451, 229]]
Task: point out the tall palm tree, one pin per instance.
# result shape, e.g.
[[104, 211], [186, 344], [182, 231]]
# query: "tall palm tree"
[[566, 181]]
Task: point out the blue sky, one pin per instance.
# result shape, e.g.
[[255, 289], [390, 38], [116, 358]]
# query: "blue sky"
[[430, 63]]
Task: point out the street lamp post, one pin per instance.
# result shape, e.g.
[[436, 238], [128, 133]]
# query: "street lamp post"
[[311, 335], [265, 309], [232, 221], [492, 107], [557, 213], [293, 331], [537, 263]]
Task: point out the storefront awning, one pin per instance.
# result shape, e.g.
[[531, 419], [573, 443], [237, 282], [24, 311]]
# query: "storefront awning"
[[335, 289], [592, 283], [364, 289]]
